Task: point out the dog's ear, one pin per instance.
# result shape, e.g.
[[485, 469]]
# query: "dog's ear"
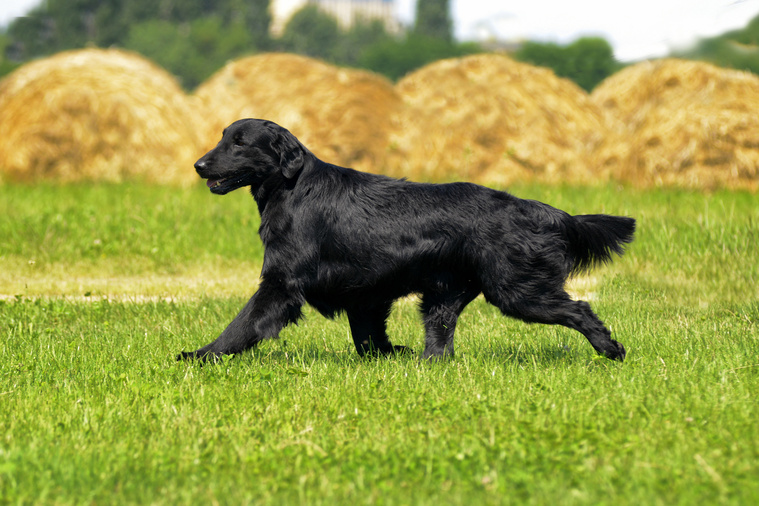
[[293, 156]]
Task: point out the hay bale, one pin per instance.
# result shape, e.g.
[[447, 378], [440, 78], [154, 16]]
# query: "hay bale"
[[681, 123], [99, 115], [342, 115], [490, 119]]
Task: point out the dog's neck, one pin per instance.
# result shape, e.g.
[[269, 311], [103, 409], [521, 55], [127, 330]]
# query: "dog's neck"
[[272, 186]]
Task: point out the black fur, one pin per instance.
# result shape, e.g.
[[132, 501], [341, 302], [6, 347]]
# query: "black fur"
[[347, 241]]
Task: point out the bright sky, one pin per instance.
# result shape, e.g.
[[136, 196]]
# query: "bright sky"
[[636, 29]]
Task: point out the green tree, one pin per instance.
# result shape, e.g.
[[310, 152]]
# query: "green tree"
[[31, 35], [396, 58], [6, 65], [254, 15], [738, 49], [191, 51], [586, 61], [360, 38], [57, 25], [433, 20], [590, 60], [312, 32]]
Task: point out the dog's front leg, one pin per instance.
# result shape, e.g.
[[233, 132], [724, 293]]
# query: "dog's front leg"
[[270, 309]]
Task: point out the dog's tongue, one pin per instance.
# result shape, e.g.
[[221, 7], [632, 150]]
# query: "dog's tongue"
[[212, 182]]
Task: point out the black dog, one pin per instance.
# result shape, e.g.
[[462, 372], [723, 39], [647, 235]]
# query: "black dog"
[[343, 240]]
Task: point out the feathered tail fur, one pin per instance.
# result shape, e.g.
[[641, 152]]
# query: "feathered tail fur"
[[594, 238]]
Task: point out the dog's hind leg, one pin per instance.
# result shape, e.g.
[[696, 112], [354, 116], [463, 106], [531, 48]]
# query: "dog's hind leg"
[[441, 312], [270, 309], [560, 309], [368, 329]]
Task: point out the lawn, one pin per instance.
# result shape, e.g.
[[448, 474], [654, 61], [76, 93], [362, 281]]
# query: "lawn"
[[101, 286]]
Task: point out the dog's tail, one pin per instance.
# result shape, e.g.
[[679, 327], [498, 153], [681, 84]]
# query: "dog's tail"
[[594, 238]]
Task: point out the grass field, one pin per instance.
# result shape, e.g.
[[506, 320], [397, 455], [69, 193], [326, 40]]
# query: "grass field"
[[102, 285]]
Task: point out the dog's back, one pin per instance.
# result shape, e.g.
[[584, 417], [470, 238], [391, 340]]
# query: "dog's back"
[[390, 223]]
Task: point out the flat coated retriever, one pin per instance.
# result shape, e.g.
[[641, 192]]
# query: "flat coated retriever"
[[347, 241]]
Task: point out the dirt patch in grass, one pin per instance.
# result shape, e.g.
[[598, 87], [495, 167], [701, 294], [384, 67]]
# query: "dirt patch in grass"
[[60, 280]]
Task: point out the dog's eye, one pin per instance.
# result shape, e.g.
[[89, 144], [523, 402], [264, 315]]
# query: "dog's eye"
[[238, 141]]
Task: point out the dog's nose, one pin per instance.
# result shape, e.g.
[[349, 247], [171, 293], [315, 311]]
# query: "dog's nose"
[[200, 164]]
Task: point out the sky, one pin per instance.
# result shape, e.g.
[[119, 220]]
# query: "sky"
[[636, 29]]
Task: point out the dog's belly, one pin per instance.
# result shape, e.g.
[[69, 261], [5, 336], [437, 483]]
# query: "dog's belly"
[[333, 300], [344, 289]]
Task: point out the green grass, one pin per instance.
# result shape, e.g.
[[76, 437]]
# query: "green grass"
[[95, 410], [135, 240]]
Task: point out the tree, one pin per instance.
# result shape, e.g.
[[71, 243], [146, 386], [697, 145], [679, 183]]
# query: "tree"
[[254, 15], [58, 25], [29, 36], [433, 20], [590, 60], [191, 51], [361, 37], [312, 32], [396, 58], [738, 49], [587, 61], [6, 65]]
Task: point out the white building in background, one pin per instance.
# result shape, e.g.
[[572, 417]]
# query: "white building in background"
[[347, 12]]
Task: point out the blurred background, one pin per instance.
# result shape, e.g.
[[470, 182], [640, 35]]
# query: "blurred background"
[[647, 92]]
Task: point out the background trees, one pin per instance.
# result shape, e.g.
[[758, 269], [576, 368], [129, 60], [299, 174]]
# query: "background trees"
[[587, 61], [738, 49], [191, 38], [194, 38], [433, 20]]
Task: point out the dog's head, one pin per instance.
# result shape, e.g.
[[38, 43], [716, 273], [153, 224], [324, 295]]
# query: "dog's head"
[[249, 152]]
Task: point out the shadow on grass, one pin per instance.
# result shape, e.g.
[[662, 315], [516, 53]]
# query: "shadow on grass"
[[543, 355], [539, 354]]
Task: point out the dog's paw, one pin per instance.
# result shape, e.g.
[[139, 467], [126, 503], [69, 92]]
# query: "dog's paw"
[[615, 351], [438, 355], [389, 350], [186, 355], [203, 358]]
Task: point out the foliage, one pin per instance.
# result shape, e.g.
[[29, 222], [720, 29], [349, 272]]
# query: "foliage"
[[96, 410], [6, 65], [312, 32], [358, 40], [587, 61], [433, 20], [253, 14], [190, 37], [397, 57], [194, 38], [192, 51], [738, 49]]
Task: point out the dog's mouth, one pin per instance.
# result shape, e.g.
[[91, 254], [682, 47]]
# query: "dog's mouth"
[[225, 185], [214, 183]]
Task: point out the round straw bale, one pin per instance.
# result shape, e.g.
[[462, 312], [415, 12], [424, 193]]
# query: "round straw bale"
[[681, 123], [342, 115], [490, 119], [94, 114]]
